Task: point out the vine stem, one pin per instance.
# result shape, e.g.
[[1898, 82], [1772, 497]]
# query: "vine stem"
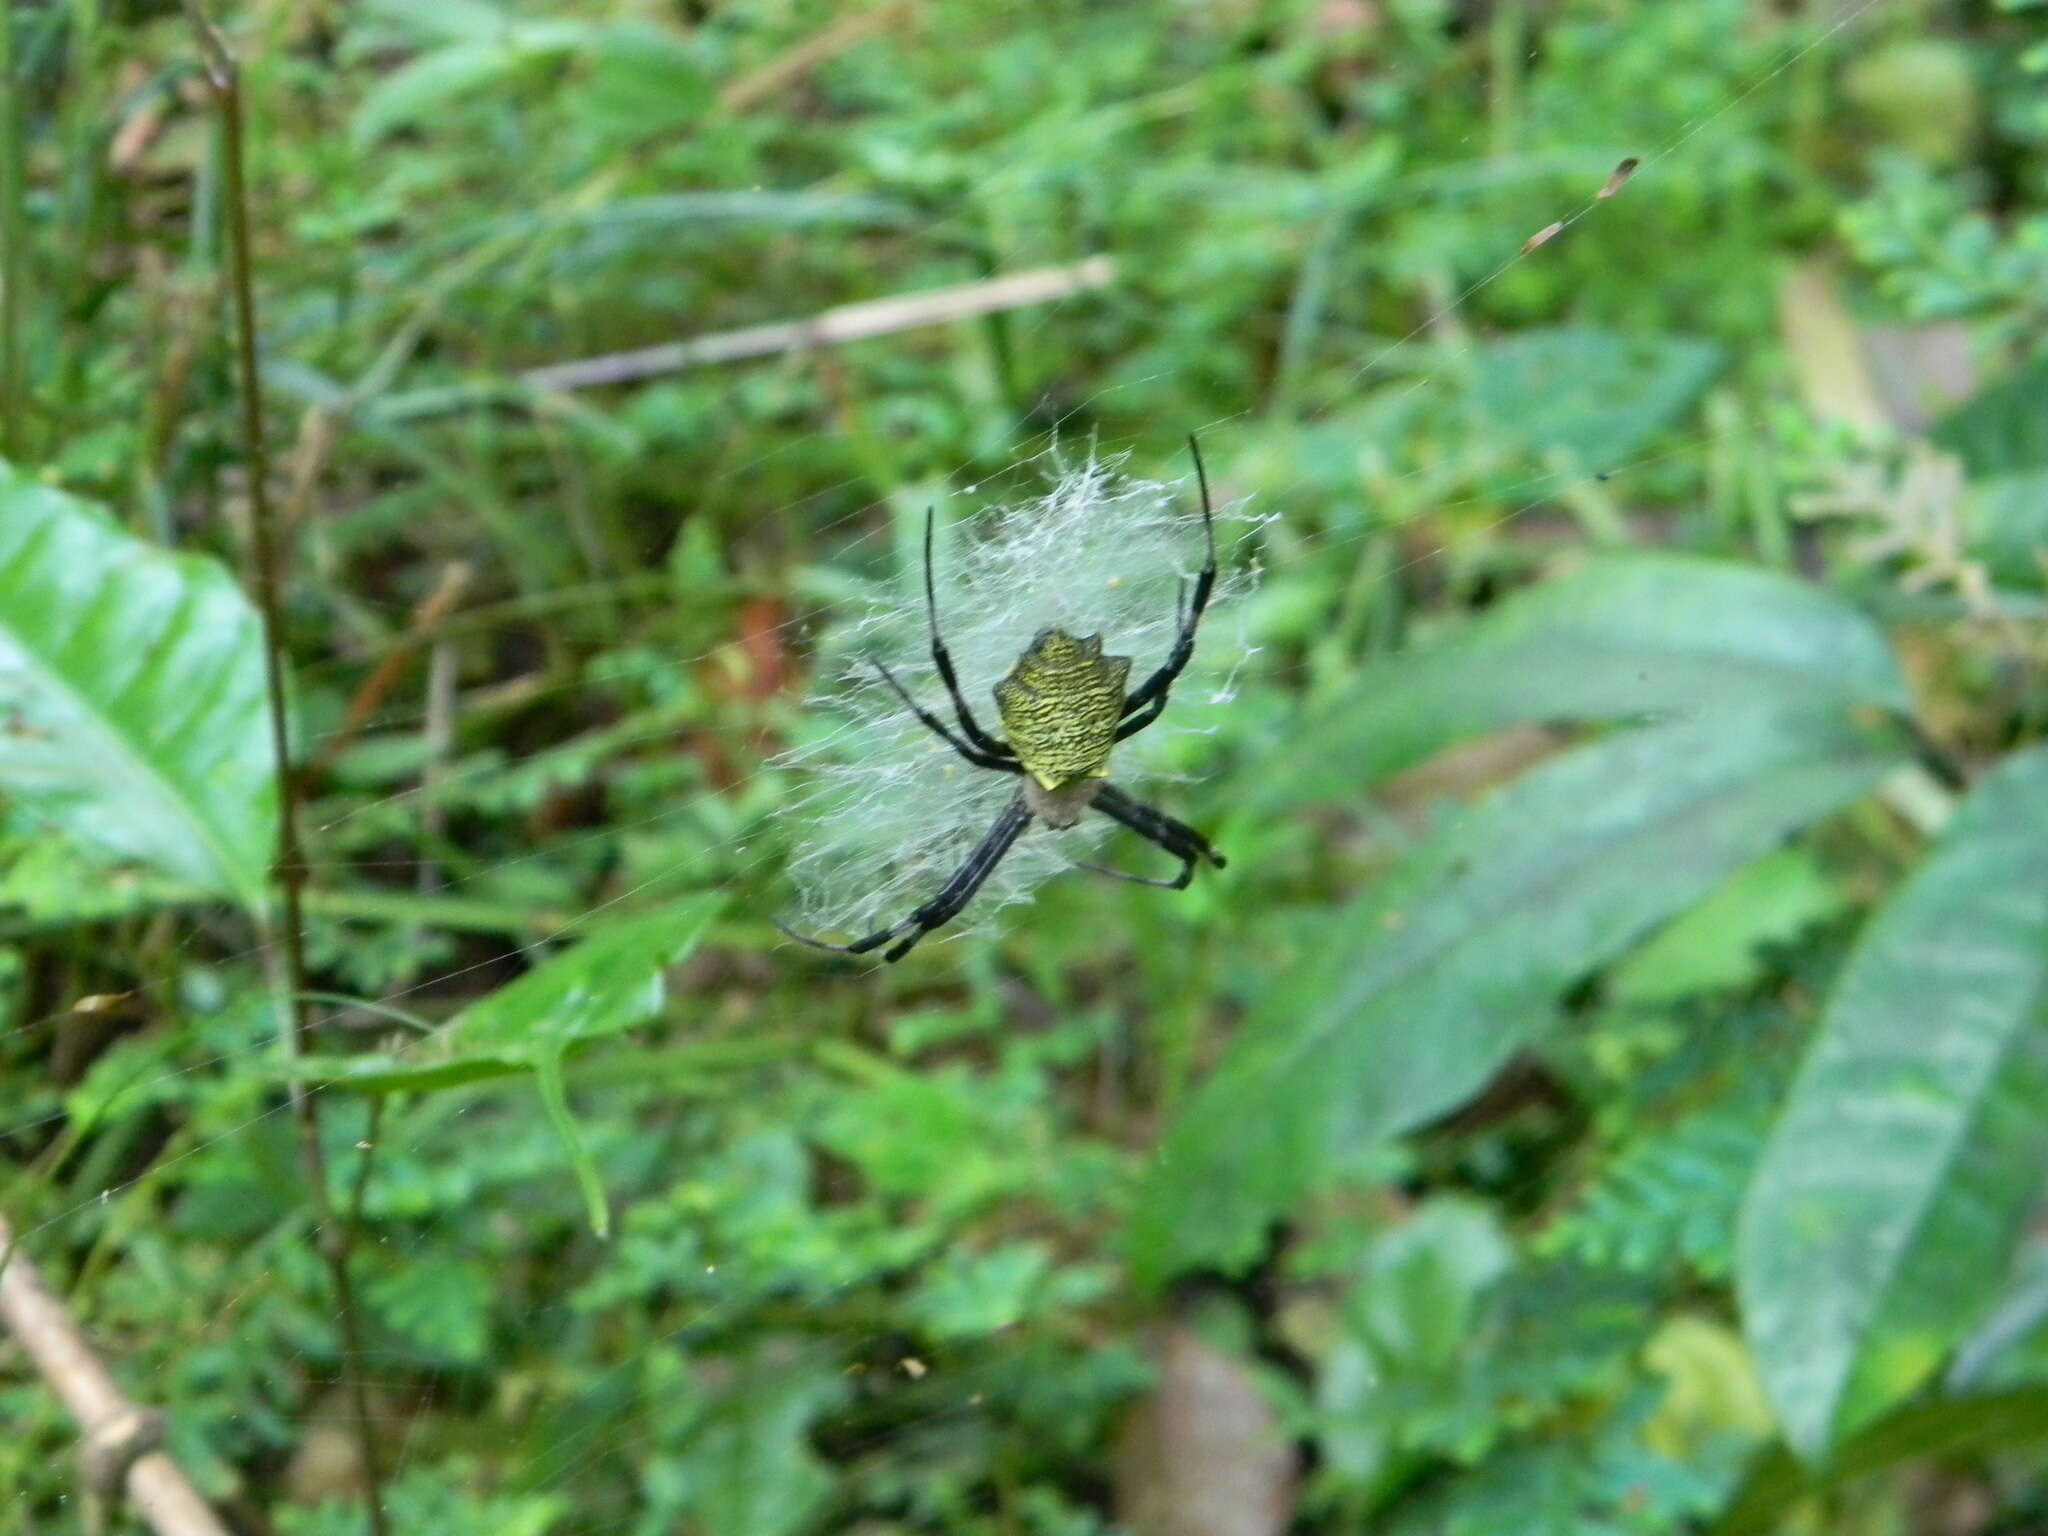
[[284, 928]]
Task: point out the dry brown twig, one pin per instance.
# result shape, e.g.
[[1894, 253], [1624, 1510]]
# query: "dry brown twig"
[[433, 608], [121, 1450]]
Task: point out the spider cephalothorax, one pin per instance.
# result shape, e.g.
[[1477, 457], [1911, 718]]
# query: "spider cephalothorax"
[[1063, 708]]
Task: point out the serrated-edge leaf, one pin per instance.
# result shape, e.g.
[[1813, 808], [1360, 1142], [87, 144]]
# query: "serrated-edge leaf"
[[1630, 637], [1914, 1142], [1671, 1194], [132, 702], [1440, 972]]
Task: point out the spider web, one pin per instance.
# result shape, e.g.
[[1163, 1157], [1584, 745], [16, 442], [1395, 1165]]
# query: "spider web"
[[886, 811]]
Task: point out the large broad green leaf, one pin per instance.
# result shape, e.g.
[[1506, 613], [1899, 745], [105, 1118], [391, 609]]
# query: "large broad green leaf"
[[1643, 635], [1595, 396], [601, 986], [132, 707], [1429, 982], [1884, 1213]]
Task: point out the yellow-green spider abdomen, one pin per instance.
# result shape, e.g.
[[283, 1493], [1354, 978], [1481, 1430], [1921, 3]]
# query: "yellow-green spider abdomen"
[[1060, 705]]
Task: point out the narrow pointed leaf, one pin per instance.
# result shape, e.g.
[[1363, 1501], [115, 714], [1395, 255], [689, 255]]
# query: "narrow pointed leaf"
[[1630, 637], [607, 983], [132, 707], [1883, 1215], [599, 986], [1428, 983], [554, 1099]]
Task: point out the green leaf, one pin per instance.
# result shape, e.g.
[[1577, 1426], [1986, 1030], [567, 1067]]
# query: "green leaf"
[[2007, 1349], [1595, 396], [1617, 639], [132, 698], [751, 1467], [968, 1295], [1390, 1381], [430, 83], [1672, 1196], [607, 983], [1603, 1478], [645, 82], [1884, 1213], [2001, 430], [1714, 946], [1432, 979], [443, 1306], [2007, 519], [446, 20], [1945, 1429]]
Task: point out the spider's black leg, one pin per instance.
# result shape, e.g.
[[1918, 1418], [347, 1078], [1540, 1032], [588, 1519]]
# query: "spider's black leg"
[[938, 728], [1176, 837], [1143, 718], [1178, 883], [1152, 692], [954, 895], [943, 659]]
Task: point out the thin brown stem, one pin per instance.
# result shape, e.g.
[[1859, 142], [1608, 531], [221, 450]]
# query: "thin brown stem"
[[13, 246], [285, 926]]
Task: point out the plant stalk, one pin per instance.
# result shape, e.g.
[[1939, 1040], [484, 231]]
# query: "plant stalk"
[[13, 246], [335, 1230]]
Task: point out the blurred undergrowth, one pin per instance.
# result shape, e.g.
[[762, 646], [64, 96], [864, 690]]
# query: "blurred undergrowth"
[[1697, 552]]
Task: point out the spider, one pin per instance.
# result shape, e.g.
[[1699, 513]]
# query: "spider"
[[1063, 709]]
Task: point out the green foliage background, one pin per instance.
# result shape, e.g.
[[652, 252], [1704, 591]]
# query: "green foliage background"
[[1608, 1089]]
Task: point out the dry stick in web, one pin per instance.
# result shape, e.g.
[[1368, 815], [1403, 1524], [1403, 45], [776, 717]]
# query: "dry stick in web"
[[122, 1449], [1614, 183], [1618, 180], [285, 930]]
